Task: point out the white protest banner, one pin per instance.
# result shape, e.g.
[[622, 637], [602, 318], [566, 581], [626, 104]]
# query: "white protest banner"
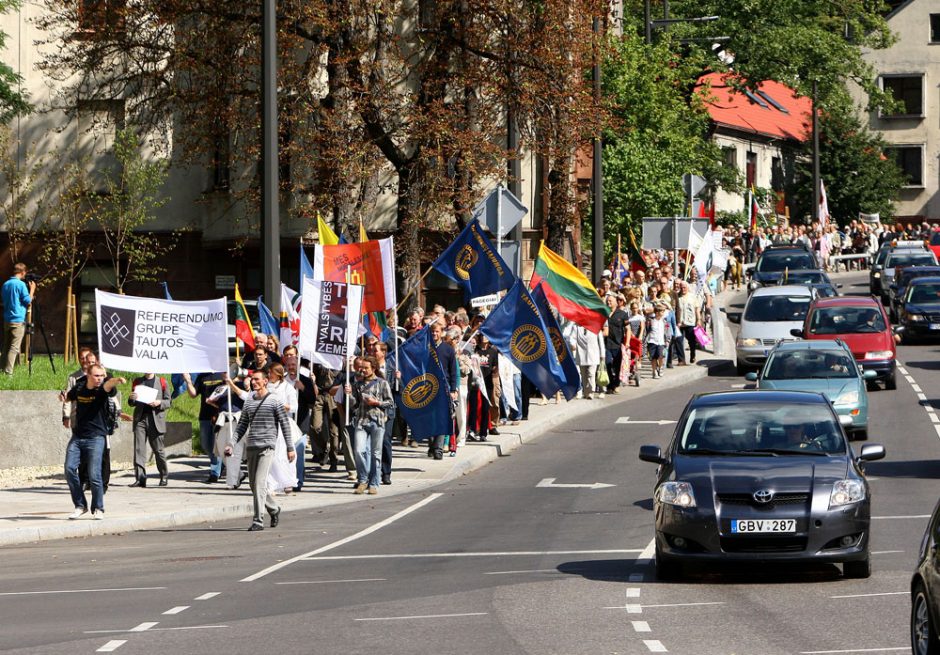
[[329, 321], [483, 301], [152, 335]]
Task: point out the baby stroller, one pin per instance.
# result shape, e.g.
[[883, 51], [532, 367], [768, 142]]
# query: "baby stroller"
[[632, 359]]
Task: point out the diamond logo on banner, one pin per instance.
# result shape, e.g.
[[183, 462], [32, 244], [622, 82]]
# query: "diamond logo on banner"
[[117, 327]]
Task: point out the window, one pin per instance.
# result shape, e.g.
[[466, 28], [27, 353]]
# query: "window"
[[98, 123], [776, 173], [750, 171], [910, 159], [729, 155], [935, 28], [221, 173], [908, 90], [97, 15]]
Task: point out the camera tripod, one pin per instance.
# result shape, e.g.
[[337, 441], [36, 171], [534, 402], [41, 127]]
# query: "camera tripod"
[[33, 319]]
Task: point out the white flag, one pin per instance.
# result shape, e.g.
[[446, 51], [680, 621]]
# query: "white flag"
[[823, 205], [329, 320], [152, 335]]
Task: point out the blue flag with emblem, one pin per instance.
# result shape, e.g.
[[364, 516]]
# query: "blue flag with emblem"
[[517, 330], [424, 401], [572, 376], [474, 264], [268, 324]]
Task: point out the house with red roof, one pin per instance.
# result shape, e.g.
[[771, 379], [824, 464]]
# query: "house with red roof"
[[760, 133]]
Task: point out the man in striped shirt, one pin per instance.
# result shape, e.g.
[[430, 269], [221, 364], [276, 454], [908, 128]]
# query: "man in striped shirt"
[[263, 414]]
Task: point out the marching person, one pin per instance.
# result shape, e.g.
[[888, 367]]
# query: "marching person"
[[149, 424], [448, 360], [205, 386], [17, 296], [264, 417], [370, 398], [306, 395], [89, 433]]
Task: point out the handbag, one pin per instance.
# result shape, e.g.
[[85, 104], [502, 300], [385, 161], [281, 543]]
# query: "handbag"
[[603, 381], [702, 337]]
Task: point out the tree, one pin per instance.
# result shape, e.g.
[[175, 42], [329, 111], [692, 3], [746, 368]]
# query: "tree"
[[21, 203], [65, 247], [133, 193], [13, 100], [858, 175]]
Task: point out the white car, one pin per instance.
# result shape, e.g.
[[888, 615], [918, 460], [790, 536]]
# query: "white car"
[[768, 317]]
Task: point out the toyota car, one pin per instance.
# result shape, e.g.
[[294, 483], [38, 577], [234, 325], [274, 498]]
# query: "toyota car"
[[761, 476]]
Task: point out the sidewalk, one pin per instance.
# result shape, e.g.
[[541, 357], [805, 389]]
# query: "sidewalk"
[[39, 512]]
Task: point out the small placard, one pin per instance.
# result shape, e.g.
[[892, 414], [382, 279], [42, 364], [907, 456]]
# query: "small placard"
[[224, 282], [483, 301]]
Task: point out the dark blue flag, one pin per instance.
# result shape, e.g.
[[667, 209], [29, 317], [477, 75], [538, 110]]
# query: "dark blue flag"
[[424, 402], [517, 330], [269, 324], [306, 270], [572, 376], [473, 263]]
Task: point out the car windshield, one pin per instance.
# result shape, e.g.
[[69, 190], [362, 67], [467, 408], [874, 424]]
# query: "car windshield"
[[773, 428], [796, 277], [780, 262], [846, 320], [802, 364], [776, 308], [910, 259], [923, 294]]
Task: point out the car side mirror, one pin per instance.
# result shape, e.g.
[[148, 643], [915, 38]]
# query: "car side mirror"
[[897, 329], [869, 375], [734, 317], [871, 452], [652, 454], [750, 376], [796, 332]]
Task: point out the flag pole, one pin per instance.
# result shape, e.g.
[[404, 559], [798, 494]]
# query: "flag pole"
[[418, 285], [346, 396]]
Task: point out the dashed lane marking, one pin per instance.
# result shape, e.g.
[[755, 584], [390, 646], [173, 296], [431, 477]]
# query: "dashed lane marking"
[[916, 387], [933, 417], [522, 571], [655, 646], [185, 627], [633, 592], [424, 616], [112, 646], [884, 593], [143, 627], [77, 591], [639, 608], [910, 516], [211, 594], [641, 626], [176, 610], [333, 581], [346, 540]]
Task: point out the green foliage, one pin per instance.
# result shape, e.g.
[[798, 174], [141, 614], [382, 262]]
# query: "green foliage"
[[857, 175], [659, 132], [134, 194], [13, 100]]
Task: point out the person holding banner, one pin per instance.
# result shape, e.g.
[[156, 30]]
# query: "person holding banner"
[[448, 362], [370, 398], [264, 416]]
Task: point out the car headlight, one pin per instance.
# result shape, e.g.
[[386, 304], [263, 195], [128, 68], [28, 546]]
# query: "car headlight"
[[876, 275], [846, 492], [915, 318], [676, 493], [878, 354], [847, 398], [748, 342]]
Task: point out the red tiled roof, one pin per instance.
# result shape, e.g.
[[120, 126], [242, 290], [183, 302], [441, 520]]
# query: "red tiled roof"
[[734, 109]]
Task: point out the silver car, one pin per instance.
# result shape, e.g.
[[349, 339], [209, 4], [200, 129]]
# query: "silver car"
[[769, 315]]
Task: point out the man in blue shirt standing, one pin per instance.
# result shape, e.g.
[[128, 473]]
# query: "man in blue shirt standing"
[[16, 295]]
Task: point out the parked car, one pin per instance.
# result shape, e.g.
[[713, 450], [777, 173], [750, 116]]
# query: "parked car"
[[761, 476], [775, 261], [919, 315], [862, 324], [902, 277], [924, 591], [826, 367], [771, 313]]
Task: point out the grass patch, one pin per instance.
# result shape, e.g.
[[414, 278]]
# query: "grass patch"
[[183, 409]]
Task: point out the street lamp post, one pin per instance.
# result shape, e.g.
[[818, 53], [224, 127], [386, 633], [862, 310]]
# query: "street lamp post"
[[597, 256], [270, 218]]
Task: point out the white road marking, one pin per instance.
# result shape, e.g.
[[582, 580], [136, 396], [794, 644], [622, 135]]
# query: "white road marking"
[[633, 609], [333, 581], [646, 557], [642, 607], [916, 387], [909, 379], [884, 593], [112, 646], [738, 386], [633, 592], [902, 370], [211, 594], [522, 571], [177, 609], [684, 604], [186, 627], [641, 626], [910, 516], [636, 577], [921, 396], [626, 420], [549, 483], [885, 552], [425, 616], [522, 553], [655, 646], [76, 591], [937, 428], [933, 417], [143, 627], [855, 650], [344, 541]]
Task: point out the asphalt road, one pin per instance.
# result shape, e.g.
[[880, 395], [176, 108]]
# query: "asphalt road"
[[500, 561]]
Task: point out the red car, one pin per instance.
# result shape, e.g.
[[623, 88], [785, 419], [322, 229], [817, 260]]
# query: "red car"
[[934, 243], [862, 323]]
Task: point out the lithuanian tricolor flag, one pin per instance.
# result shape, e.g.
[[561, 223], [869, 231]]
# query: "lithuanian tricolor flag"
[[569, 290], [243, 329]]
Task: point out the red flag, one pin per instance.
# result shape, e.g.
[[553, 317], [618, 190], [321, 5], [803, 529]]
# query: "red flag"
[[754, 209]]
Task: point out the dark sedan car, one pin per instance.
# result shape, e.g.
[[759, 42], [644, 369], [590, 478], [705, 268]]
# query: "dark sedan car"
[[919, 315], [925, 591], [761, 476]]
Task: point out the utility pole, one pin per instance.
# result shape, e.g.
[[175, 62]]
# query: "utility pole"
[[270, 217], [815, 210], [597, 255]]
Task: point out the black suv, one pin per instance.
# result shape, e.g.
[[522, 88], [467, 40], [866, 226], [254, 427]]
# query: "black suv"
[[775, 260]]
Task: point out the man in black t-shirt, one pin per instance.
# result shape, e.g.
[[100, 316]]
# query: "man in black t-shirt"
[[205, 386], [616, 326], [89, 433]]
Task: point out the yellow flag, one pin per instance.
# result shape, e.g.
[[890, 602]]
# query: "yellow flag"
[[327, 236], [363, 237]]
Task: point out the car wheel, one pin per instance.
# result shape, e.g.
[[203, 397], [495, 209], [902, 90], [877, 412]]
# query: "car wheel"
[[859, 570], [667, 570], [891, 382], [923, 635]]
